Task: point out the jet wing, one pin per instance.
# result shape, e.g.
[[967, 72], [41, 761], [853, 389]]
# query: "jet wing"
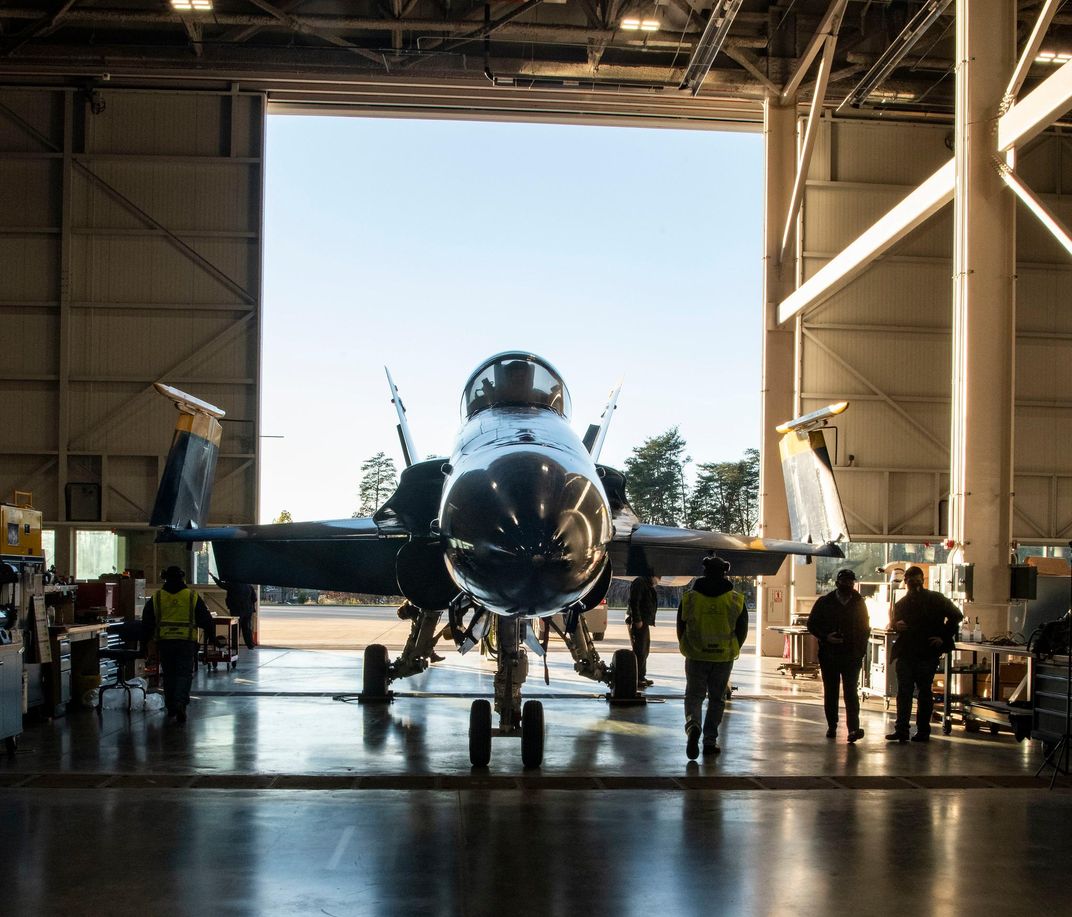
[[662, 550], [344, 555]]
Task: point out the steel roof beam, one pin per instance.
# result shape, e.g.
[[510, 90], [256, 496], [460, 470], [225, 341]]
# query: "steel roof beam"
[[817, 43], [293, 22], [811, 130]]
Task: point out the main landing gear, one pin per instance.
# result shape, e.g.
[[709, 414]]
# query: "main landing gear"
[[378, 671], [470, 625]]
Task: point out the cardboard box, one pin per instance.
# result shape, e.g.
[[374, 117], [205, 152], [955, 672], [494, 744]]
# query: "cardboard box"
[[1012, 673], [1049, 566]]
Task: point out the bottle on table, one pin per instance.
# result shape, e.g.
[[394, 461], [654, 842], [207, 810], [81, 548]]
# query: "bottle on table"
[[977, 632]]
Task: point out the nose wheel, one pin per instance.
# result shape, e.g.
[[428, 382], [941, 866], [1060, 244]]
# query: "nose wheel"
[[480, 733]]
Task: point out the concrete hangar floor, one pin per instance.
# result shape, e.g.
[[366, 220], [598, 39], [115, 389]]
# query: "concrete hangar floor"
[[283, 795]]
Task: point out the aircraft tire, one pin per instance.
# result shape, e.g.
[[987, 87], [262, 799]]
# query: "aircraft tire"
[[625, 675], [480, 733], [374, 672], [532, 733]]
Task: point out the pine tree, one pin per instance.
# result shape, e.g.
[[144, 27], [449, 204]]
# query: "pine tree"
[[726, 495], [655, 479], [378, 481]]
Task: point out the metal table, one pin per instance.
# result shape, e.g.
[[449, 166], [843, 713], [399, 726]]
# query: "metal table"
[[974, 710], [803, 658]]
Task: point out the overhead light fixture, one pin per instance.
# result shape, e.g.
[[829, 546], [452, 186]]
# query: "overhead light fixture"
[[896, 52], [191, 6], [1053, 57], [710, 43], [632, 24], [891, 95]]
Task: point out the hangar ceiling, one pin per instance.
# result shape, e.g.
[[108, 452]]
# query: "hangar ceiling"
[[131, 134], [680, 59]]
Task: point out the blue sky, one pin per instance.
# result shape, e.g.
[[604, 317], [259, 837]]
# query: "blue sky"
[[430, 245]]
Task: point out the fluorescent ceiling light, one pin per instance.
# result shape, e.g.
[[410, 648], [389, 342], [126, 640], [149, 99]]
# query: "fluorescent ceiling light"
[[195, 6], [649, 25], [632, 24], [1053, 57], [890, 95]]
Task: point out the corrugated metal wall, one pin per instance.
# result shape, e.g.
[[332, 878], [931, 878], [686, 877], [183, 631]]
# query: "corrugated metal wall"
[[130, 240], [884, 341]]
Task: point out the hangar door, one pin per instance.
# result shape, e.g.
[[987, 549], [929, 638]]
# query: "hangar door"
[[131, 245]]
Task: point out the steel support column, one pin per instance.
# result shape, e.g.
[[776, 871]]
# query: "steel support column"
[[779, 361], [64, 559], [984, 314]]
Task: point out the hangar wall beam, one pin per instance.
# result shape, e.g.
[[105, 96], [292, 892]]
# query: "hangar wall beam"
[[917, 207], [779, 364], [984, 313], [811, 131]]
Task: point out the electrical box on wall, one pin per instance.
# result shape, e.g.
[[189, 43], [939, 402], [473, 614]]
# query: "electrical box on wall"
[[83, 502], [1023, 581]]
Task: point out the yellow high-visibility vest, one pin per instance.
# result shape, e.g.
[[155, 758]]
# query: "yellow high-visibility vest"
[[710, 626], [175, 614]]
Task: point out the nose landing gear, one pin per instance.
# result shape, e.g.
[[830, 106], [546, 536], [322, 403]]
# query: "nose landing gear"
[[512, 668]]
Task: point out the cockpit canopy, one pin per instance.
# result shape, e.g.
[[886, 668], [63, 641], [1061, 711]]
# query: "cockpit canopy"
[[515, 378]]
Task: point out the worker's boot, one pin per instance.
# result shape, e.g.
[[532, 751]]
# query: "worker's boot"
[[692, 744]]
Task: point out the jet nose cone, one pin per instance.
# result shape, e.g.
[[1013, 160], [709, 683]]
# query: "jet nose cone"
[[527, 532]]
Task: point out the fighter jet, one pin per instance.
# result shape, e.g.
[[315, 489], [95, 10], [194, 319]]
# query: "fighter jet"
[[521, 525]]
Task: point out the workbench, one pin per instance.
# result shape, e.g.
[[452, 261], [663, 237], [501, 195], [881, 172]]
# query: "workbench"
[[994, 710], [84, 641]]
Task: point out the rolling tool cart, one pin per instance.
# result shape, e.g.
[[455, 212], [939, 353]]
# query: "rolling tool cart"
[[221, 646]]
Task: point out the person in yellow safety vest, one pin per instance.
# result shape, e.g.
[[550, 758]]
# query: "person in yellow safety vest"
[[712, 623], [172, 617]]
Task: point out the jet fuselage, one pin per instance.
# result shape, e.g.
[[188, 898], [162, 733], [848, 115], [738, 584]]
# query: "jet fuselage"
[[524, 519]]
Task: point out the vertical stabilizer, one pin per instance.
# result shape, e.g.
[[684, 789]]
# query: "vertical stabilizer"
[[815, 513], [405, 438], [593, 439], [182, 500]]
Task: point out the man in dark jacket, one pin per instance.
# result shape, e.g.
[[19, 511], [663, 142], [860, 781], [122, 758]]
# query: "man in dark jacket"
[[712, 623], [840, 623], [241, 602], [643, 603], [171, 618], [926, 622]]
